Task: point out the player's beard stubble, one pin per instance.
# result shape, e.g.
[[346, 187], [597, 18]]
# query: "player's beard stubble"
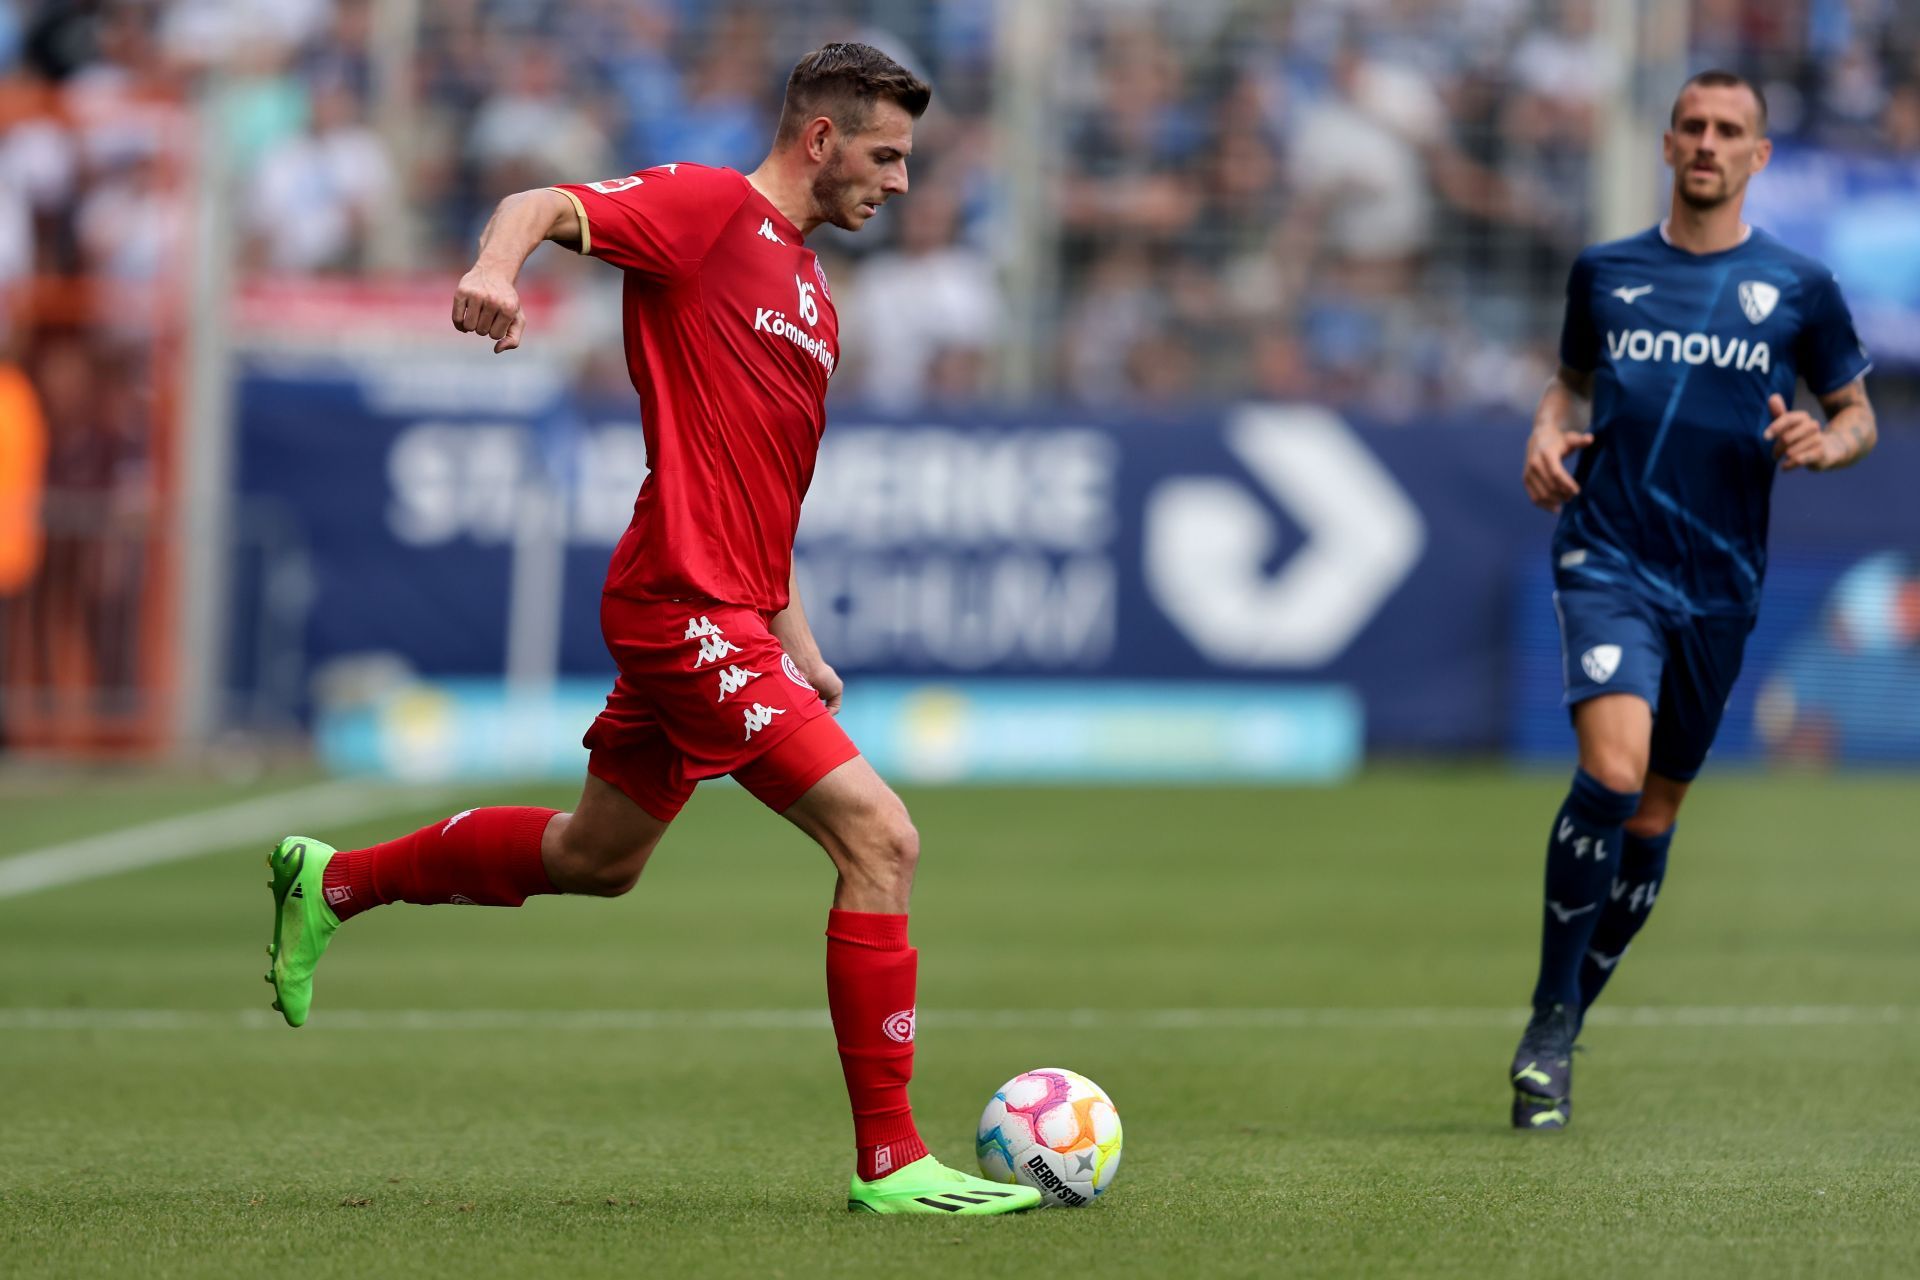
[[1719, 193], [833, 193]]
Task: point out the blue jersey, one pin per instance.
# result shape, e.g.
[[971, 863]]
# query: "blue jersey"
[[1684, 349]]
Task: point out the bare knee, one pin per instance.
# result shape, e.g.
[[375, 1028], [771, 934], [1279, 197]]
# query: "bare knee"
[[598, 865], [1616, 771], [882, 849], [610, 879], [1659, 807], [1615, 732], [1646, 824]]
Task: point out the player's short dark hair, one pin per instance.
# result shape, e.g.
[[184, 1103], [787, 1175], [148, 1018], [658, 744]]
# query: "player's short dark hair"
[[1718, 79], [842, 82]]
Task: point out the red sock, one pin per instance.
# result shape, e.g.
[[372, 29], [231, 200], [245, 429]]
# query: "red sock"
[[870, 980], [483, 857]]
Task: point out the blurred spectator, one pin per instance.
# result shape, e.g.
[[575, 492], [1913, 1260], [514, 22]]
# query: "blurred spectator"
[[1565, 69], [535, 124], [200, 33], [10, 37], [86, 601], [721, 120], [1359, 182], [315, 202], [1288, 188], [16, 259], [1130, 147], [924, 313], [639, 66], [131, 224], [1114, 319], [1900, 123]]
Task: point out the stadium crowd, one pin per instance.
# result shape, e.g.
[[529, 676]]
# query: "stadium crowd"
[[1366, 201]]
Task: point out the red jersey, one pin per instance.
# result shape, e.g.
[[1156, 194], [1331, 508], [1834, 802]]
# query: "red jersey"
[[731, 336]]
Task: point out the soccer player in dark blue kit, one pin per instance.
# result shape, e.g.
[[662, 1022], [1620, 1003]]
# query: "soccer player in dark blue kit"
[[1687, 339]]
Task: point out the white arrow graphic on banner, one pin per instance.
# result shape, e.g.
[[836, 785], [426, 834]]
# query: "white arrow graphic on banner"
[[1208, 542]]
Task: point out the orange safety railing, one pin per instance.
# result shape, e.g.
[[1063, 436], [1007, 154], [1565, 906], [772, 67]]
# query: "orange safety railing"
[[87, 654]]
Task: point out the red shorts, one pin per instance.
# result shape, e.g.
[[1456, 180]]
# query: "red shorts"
[[705, 689]]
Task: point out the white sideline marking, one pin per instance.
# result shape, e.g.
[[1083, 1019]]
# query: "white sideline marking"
[[522, 1020], [188, 835]]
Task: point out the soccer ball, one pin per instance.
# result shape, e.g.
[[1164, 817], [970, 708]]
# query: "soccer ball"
[[1055, 1131]]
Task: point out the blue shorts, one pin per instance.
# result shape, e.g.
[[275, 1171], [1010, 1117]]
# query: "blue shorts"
[[1615, 642]]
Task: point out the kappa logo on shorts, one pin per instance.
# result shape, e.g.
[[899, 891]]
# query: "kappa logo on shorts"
[[1600, 662], [714, 644], [759, 716], [899, 1026], [788, 665], [733, 680]]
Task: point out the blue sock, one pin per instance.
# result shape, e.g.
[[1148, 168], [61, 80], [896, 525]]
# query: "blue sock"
[[1583, 853], [1643, 865]]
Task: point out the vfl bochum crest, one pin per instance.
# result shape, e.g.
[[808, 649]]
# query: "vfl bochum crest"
[[1757, 298], [1600, 662]]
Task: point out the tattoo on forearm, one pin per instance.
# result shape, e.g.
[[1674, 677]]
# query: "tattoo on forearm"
[[1850, 417]]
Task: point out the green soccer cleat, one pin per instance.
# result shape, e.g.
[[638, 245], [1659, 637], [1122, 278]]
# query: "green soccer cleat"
[[927, 1186], [303, 924]]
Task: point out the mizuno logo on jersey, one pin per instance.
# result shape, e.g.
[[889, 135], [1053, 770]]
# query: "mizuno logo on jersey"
[[759, 716], [1630, 294], [734, 679], [1668, 347], [772, 320], [767, 231]]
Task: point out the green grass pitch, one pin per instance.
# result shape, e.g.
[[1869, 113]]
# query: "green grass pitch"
[[1747, 1110]]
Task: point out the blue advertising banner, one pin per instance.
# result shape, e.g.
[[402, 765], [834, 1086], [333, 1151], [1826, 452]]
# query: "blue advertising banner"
[[1024, 731], [1253, 546], [1860, 214]]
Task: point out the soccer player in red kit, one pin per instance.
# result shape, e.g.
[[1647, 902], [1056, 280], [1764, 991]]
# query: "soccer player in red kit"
[[731, 335]]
